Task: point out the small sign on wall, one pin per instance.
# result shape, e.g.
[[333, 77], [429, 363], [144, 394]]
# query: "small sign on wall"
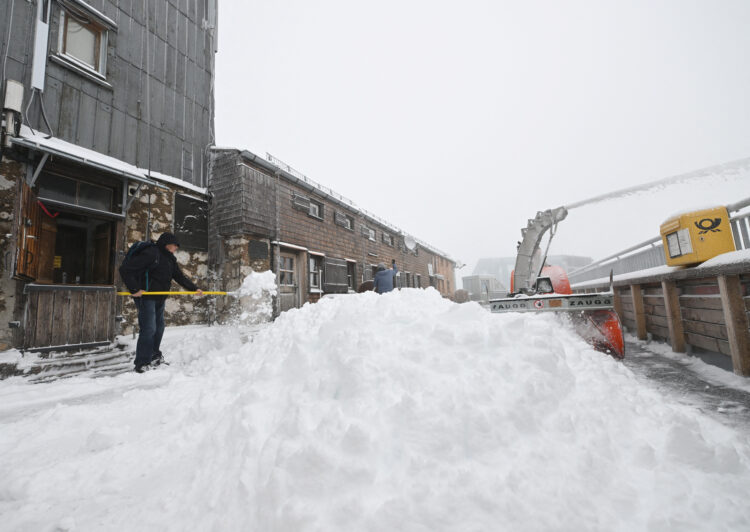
[[258, 250]]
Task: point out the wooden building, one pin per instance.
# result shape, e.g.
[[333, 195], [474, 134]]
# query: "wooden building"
[[265, 215]]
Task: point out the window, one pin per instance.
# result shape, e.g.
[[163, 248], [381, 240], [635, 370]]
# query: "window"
[[300, 202], [74, 192], [316, 209], [191, 223], [286, 271], [83, 42], [369, 233], [344, 220], [388, 239], [62, 246], [315, 272]]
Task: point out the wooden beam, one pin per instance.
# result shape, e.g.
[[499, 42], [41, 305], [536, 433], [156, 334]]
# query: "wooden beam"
[[640, 311], [736, 321], [674, 317]]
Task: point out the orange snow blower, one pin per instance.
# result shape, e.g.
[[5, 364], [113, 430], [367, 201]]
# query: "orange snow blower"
[[536, 287]]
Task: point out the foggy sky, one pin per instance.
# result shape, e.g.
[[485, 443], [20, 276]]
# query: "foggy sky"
[[457, 121]]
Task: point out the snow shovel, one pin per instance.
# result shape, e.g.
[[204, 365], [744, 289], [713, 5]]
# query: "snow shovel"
[[187, 293]]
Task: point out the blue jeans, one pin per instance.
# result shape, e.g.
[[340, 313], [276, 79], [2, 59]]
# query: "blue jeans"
[[151, 328]]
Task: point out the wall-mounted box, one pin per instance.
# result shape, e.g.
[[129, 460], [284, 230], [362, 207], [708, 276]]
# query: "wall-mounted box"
[[694, 237]]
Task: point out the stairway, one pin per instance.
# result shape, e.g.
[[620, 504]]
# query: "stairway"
[[102, 361]]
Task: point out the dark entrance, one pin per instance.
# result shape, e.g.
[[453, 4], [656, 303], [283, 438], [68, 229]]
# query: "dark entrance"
[[76, 249], [66, 254]]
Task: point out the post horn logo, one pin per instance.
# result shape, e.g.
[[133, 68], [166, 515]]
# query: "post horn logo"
[[707, 224]]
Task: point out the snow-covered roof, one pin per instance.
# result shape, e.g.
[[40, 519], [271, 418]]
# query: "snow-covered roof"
[[67, 150], [274, 164]]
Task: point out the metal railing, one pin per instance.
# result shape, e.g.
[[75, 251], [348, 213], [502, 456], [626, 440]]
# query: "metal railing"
[[326, 190], [650, 254]]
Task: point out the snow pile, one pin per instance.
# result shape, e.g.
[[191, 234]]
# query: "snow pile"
[[256, 297], [725, 259], [396, 412]]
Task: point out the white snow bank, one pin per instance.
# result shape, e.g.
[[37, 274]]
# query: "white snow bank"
[[256, 297], [648, 272], [733, 257], [396, 412], [14, 357]]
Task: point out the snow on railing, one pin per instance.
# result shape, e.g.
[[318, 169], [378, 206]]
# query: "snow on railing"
[[650, 253]]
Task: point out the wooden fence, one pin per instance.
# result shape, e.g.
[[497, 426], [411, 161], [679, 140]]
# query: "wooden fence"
[[696, 310], [65, 316]]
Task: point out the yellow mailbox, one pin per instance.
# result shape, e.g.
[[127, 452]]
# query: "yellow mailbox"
[[693, 237]]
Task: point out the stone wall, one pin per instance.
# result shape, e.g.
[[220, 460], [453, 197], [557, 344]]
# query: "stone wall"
[[179, 310], [11, 173], [232, 265]]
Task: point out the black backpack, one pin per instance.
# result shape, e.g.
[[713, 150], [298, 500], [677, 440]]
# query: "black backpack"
[[135, 249]]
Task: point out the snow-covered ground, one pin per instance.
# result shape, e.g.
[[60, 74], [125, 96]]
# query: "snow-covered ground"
[[365, 412]]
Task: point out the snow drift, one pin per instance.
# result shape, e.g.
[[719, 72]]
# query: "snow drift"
[[365, 412]]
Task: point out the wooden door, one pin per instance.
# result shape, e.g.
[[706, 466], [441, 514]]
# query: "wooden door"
[[27, 247], [68, 317], [103, 253], [289, 285], [47, 240]]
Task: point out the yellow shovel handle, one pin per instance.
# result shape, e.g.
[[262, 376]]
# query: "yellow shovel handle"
[[174, 293]]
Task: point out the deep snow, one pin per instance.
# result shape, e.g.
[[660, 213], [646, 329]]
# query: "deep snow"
[[363, 412]]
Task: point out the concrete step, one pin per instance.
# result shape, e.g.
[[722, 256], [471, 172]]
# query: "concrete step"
[[44, 367], [94, 365]]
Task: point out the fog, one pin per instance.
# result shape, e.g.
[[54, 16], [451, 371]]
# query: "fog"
[[458, 121]]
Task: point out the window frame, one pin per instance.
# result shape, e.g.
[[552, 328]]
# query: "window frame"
[[77, 181], [319, 207], [100, 50], [315, 271], [369, 233], [343, 220], [289, 271]]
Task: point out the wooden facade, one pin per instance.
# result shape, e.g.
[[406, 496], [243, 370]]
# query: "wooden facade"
[[57, 316]]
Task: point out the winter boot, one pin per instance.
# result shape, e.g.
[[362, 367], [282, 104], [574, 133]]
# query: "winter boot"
[[142, 368]]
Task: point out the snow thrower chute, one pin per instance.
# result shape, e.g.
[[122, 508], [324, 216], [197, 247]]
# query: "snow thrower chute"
[[537, 287]]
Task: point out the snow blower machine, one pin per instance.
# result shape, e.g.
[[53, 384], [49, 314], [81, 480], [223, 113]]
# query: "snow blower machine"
[[538, 287]]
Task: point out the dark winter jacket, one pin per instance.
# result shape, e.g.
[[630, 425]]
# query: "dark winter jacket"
[[384, 279], [154, 268]]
